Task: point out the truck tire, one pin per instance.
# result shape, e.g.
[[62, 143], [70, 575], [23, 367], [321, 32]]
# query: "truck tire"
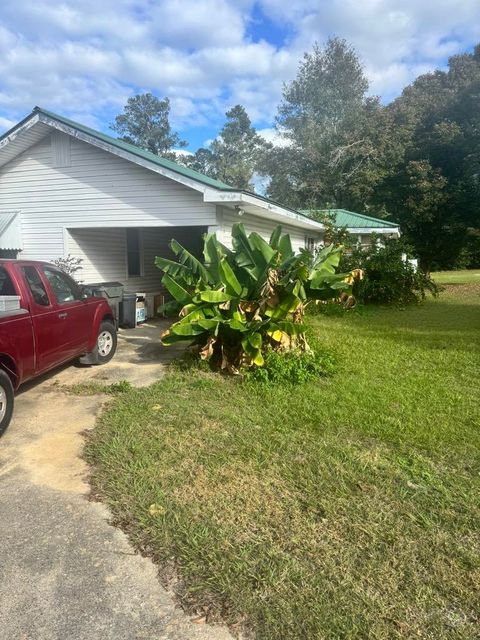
[[106, 342], [6, 401]]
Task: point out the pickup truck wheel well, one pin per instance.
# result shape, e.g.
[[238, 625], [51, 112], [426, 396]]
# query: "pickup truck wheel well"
[[8, 365], [108, 318]]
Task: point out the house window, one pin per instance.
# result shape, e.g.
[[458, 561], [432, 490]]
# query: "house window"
[[310, 243], [134, 253]]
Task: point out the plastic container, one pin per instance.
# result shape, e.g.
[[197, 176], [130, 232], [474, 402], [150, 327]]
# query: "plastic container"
[[141, 309], [153, 301], [112, 292], [128, 310]]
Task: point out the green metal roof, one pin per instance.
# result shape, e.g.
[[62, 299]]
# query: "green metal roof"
[[147, 155], [352, 220], [125, 146]]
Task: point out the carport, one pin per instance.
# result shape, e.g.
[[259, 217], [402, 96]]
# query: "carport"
[[127, 254]]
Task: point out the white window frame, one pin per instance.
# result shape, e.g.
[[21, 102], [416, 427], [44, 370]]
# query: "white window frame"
[[310, 243]]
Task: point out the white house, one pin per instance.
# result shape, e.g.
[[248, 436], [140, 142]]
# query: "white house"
[[67, 189]]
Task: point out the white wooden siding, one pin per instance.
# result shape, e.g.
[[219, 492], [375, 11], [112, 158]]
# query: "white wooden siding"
[[75, 198], [264, 227], [96, 189], [104, 253]]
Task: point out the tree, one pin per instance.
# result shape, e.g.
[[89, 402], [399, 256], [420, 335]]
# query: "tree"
[[145, 123], [433, 190], [236, 149], [202, 161], [333, 128], [232, 157], [421, 210]]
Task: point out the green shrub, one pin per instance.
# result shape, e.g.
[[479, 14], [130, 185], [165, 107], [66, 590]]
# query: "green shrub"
[[387, 277], [292, 367], [242, 302]]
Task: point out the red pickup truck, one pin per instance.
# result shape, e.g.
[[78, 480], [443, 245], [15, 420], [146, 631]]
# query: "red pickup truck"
[[57, 322]]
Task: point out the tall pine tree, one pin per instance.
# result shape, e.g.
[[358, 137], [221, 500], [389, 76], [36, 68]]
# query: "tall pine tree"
[[233, 155], [145, 123]]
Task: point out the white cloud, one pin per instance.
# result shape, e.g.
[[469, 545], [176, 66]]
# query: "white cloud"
[[198, 23], [86, 57], [395, 38], [260, 183], [270, 134], [6, 124], [183, 152]]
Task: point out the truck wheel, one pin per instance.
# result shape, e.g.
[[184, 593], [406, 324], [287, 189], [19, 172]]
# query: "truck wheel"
[[6, 401], [106, 342]]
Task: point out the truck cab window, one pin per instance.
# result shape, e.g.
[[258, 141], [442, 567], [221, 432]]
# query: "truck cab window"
[[36, 286], [6, 284], [64, 288]]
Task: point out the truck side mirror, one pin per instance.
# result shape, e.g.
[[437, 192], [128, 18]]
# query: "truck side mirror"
[[86, 292]]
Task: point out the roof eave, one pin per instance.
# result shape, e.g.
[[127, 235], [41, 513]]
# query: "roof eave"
[[24, 125], [381, 230], [239, 198]]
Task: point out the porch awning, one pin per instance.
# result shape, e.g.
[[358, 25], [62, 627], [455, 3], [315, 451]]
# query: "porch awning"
[[10, 231]]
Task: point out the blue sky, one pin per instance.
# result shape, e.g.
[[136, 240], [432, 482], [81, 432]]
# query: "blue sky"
[[84, 58]]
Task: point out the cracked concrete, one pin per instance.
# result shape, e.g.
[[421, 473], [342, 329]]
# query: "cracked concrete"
[[65, 572]]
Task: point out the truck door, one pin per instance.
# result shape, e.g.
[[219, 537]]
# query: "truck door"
[[45, 320], [73, 313]]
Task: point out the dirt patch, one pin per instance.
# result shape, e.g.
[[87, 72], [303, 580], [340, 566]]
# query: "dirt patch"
[[45, 439]]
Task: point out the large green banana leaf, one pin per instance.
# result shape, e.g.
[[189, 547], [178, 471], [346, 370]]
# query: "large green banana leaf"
[[243, 299]]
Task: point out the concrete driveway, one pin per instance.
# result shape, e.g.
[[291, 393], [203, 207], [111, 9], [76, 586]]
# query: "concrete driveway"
[[65, 572]]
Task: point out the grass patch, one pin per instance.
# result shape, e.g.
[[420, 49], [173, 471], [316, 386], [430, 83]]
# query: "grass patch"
[[464, 276], [295, 367], [347, 507]]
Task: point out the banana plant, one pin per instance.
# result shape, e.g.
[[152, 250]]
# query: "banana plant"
[[237, 301]]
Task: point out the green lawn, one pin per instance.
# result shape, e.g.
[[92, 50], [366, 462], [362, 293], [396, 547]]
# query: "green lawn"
[[348, 508], [457, 277]]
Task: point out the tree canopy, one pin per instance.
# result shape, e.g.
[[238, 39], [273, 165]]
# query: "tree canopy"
[[433, 189], [145, 123], [415, 160], [332, 127], [233, 156]]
